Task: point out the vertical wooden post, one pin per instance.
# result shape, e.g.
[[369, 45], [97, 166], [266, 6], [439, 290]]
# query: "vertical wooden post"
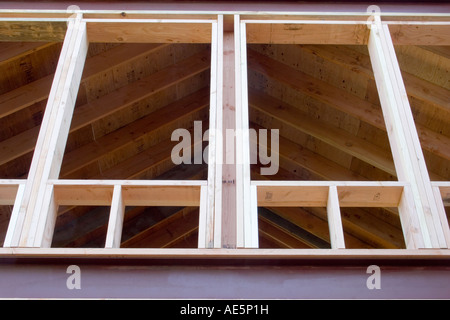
[[407, 153], [246, 211], [335, 220], [228, 132], [36, 215], [202, 217], [212, 215], [115, 224], [14, 217]]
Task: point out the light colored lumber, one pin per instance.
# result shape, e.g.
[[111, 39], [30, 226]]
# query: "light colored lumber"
[[241, 103], [218, 78], [335, 220], [13, 221], [115, 224], [202, 217], [161, 195], [8, 193], [405, 143], [52, 138], [420, 34], [269, 254], [289, 196], [370, 196], [213, 213], [307, 33], [229, 146], [139, 32], [310, 194], [44, 31], [243, 142]]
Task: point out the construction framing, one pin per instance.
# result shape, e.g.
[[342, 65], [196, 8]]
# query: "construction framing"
[[228, 199]]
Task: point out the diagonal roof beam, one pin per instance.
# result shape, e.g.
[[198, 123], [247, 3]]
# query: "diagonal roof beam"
[[356, 107], [23, 143], [166, 117], [334, 136], [39, 90]]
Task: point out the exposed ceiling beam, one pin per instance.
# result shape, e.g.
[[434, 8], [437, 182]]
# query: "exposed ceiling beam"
[[294, 156], [166, 231], [343, 101], [334, 136], [167, 116], [39, 90], [117, 100], [10, 51], [278, 235]]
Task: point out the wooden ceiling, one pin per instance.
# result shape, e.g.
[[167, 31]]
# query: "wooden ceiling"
[[322, 98]]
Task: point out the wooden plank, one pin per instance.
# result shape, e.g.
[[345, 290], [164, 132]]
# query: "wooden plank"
[[241, 103], [201, 254], [46, 228], [307, 33], [212, 138], [335, 220], [290, 196], [44, 31], [243, 154], [442, 214], [115, 224], [84, 194], [139, 32], [370, 196], [8, 194], [219, 141], [420, 34], [161, 195], [229, 156], [410, 222], [308, 194], [202, 217], [142, 14]]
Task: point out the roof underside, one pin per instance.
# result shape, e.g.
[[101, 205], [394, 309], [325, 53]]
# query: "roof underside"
[[322, 98]]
